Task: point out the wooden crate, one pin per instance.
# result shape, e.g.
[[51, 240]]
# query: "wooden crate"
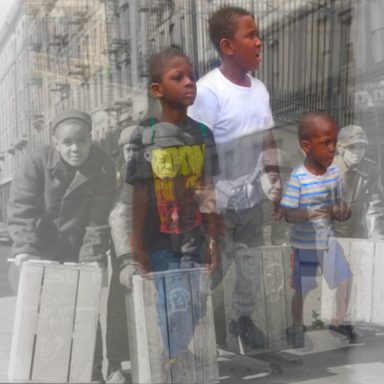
[[272, 313], [150, 361], [366, 301], [55, 323]]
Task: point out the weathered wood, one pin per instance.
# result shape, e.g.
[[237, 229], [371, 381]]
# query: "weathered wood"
[[278, 295], [272, 312], [181, 321], [85, 326], [365, 304], [25, 324], [62, 327], [328, 295], [54, 329], [378, 284]]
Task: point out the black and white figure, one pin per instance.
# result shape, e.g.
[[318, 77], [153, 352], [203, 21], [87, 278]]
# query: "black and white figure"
[[362, 186]]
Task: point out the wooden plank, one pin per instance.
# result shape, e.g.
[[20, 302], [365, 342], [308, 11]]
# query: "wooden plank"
[[328, 295], [55, 325], [158, 356], [360, 256], [195, 359], [180, 326], [26, 316], [139, 348], [85, 324], [204, 340], [361, 264], [272, 312], [275, 306], [378, 285]]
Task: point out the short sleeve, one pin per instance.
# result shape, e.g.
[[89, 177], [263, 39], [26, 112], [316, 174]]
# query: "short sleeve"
[[291, 196], [211, 158], [205, 108]]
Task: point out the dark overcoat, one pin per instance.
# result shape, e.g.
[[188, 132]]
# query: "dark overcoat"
[[57, 217]]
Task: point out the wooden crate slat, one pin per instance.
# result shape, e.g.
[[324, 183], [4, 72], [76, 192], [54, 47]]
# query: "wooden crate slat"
[[157, 351], [378, 285], [270, 316], [150, 356], [361, 264], [55, 325], [204, 339], [275, 298], [85, 326], [328, 295], [180, 323], [137, 328], [25, 324]]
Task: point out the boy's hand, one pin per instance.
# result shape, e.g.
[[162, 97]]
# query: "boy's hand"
[[21, 257], [128, 271], [341, 211]]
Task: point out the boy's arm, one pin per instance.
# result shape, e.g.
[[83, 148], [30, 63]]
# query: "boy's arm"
[[120, 221], [299, 215], [212, 222], [140, 201], [96, 240], [26, 207]]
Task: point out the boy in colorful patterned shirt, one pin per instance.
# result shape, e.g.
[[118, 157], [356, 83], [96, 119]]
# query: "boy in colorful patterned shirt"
[[311, 202]]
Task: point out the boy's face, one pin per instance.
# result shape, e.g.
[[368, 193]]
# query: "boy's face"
[[271, 183], [353, 154], [130, 151], [245, 45], [177, 87], [320, 148], [72, 139]]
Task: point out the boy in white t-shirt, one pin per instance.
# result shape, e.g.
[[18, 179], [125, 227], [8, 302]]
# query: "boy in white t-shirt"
[[235, 106]]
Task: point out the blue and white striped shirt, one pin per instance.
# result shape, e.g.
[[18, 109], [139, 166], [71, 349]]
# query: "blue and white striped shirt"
[[305, 190]]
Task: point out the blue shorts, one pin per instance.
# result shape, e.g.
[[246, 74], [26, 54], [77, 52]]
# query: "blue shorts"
[[332, 261]]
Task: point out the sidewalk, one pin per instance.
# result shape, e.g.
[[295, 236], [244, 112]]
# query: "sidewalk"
[[233, 368], [325, 359]]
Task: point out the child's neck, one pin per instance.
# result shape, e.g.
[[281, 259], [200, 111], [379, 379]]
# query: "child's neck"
[[314, 168], [172, 115], [235, 74]]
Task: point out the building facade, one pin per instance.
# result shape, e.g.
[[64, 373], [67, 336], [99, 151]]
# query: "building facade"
[[93, 55]]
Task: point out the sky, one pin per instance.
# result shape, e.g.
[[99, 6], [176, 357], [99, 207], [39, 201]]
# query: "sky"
[[4, 8]]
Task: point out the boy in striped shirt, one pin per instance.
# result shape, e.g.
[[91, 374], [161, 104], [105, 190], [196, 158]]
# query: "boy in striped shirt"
[[311, 202]]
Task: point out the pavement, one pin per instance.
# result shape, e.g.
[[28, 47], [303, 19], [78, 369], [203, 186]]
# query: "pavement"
[[325, 359]]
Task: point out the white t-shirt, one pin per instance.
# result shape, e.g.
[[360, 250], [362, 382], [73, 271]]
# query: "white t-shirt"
[[230, 110], [238, 117]]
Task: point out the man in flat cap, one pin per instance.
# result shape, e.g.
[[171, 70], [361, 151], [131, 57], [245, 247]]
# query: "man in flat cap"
[[362, 188], [61, 196]]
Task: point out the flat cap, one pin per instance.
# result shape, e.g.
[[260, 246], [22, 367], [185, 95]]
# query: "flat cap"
[[71, 114], [351, 134], [164, 135], [130, 135]]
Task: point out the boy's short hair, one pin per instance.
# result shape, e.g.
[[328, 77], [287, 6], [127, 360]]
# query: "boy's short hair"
[[308, 123], [160, 59], [222, 24]]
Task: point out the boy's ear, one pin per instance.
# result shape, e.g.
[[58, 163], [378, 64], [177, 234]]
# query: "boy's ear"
[[226, 47], [305, 145], [157, 90]]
